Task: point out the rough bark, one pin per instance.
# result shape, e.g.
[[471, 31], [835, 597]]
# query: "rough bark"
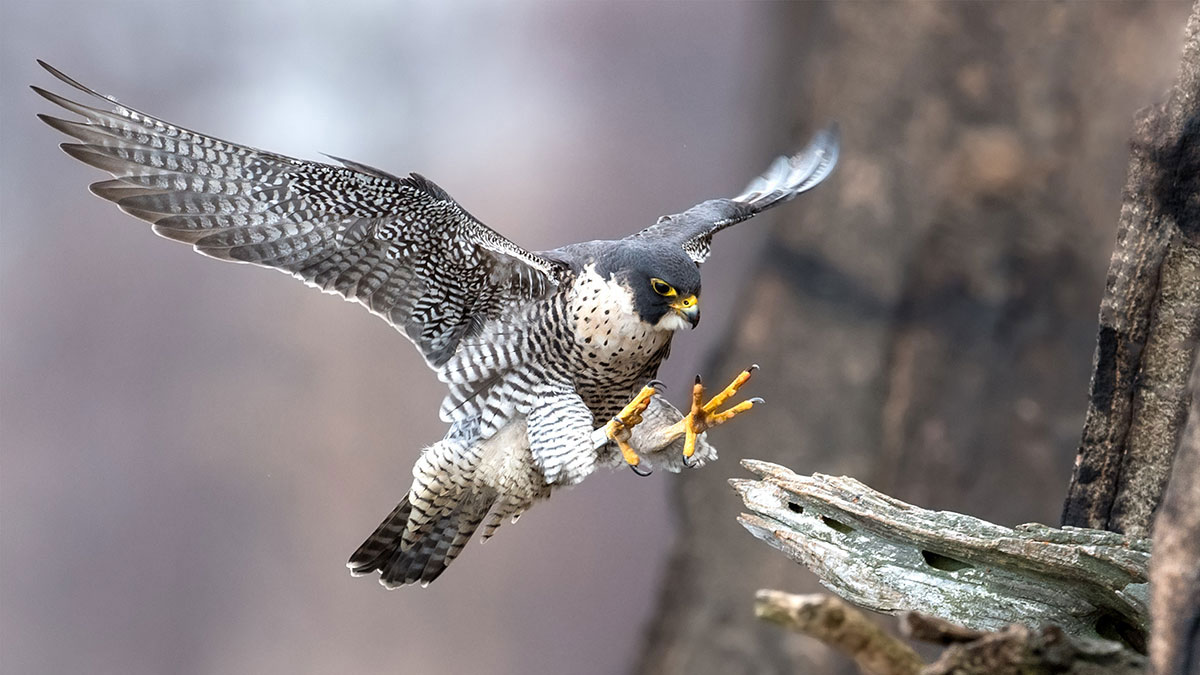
[[925, 320], [1175, 568], [1149, 319]]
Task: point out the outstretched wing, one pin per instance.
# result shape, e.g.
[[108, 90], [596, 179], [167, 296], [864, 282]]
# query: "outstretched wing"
[[401, 247], [787, 177]]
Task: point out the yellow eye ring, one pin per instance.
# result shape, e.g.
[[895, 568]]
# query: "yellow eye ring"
[[662, 288]]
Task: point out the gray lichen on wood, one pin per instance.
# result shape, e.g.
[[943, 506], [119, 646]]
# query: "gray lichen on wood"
[[889, 556]]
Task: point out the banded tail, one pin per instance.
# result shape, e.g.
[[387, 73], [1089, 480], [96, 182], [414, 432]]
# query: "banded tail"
[[438, 542]]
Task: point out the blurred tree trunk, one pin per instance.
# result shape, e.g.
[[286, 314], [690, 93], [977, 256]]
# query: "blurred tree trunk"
[[926, 320], [1175, 566], [1149, 319]]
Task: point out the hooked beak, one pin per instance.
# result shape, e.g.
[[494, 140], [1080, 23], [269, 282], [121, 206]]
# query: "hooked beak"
[[688, 308]]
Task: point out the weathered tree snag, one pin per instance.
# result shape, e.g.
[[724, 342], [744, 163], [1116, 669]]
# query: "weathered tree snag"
[[1175, 568], [888, 556], [839, 625], [1149, 319]]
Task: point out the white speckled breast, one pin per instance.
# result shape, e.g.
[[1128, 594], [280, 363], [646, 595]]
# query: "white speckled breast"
[[611, 336]]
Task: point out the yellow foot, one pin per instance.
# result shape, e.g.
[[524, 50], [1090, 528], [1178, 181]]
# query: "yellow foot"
[[704, 416], [619, 427]]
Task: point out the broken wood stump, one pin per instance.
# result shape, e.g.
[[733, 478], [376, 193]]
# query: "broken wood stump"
[[888, 556]]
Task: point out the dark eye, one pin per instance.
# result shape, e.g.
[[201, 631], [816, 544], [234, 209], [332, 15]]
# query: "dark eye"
[[661, 287]]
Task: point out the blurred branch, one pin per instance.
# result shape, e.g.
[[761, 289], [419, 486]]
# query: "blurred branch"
[[1149, 319], [839, 625], [889, 556]]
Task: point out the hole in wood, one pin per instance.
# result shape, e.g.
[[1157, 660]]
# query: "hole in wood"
[[837, 525], [1113, 626], [944, 563], [795, 508]]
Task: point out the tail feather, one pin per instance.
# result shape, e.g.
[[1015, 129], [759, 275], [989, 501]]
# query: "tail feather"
[[422, 561], [383, 542]]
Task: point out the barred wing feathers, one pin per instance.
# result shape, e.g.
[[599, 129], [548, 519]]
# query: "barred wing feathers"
[[401, 247], [787, 177]]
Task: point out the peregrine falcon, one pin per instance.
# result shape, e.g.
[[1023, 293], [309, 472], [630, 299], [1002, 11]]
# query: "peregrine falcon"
[[549, 357]]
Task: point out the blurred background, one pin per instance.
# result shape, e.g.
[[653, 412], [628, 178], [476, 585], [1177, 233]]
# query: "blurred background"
[[191, 449]]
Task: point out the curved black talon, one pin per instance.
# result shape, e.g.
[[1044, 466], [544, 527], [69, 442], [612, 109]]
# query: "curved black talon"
[[639, 472], [657, 384], [690, 463]]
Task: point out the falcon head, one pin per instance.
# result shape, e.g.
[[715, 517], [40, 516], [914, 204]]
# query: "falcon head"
[[664, 283]]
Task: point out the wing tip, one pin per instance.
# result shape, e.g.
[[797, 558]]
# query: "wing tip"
[[46, 94], [94, 157], [72, 129], [63, 77], [790, 175], [114, 189], [827, 141], [51, 69], [831, 131]]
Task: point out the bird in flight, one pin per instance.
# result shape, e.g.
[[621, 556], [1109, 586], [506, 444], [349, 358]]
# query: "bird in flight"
[[550, 357]]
